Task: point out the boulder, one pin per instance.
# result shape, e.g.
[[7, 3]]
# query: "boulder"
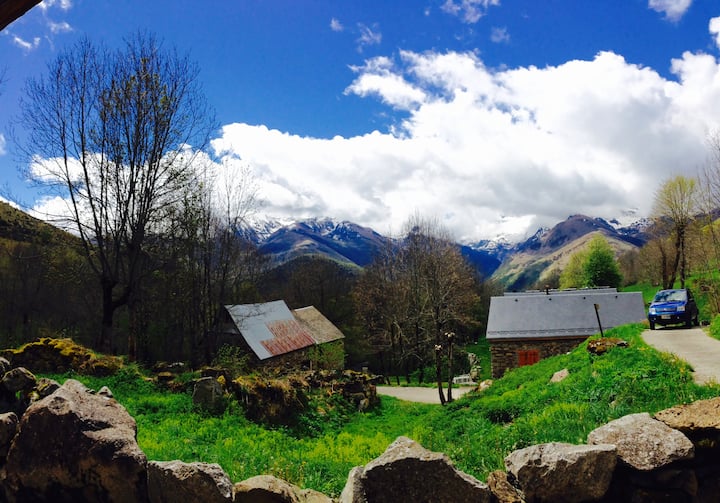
[[503, 489], [46, 387], [603, 345], [406, 471], [4, 365], [8, 429], [18, 379], [269, 489], [208, 395], [75, 445], [643, 442], [560, 472], [698, 418], [175, 481]]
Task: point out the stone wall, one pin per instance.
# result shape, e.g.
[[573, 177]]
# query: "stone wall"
[[504, 353], [68, 444]]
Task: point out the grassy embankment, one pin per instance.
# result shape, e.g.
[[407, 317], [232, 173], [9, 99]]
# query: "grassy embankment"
[[477, 432]]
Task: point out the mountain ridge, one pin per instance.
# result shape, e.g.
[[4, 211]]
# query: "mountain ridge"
[[356, 245]]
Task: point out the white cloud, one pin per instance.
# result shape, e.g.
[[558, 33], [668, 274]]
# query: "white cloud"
[[2, 145], [25, 44], [336, 25], [499, 35], [61, 27], [673, 9], [469, 11], [61, 4], [368, 36], [494, 151], [714, 28]]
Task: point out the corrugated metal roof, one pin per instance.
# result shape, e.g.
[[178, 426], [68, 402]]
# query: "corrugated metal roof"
[[561, 314], [271, 329], [321, 329]]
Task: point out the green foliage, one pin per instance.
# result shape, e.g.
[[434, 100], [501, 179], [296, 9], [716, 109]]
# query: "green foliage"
[[232, 358], [595, 266], [328, 356], [476, 431], [601, 268]]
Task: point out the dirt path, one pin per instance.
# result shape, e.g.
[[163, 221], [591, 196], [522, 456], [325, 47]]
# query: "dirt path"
[[421, 395], [693, 345]]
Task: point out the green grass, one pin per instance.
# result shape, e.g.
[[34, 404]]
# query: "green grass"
[[476, 431]]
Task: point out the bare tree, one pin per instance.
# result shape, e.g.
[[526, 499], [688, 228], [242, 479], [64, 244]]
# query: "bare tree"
[[677, 203], [115, 134], [417, 296]]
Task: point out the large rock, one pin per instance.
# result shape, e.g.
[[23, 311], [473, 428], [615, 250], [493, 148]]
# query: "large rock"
[[643, 442], [559, 472], [8, 429], [75, 445], [503, 489], [269, 489], [176, 481], [208, 394], [701, 417], [406, 471], [18, 379]]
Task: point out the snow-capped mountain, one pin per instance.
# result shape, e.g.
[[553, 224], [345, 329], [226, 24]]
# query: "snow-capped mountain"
[[355, 245]]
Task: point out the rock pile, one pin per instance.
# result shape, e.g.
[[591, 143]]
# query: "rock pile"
[[68, 444]]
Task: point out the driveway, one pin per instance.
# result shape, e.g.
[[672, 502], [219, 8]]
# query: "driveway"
[[419, 394], [693, 345]]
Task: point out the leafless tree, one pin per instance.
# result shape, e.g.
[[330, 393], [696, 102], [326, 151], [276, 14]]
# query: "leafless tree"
[[115, 134]]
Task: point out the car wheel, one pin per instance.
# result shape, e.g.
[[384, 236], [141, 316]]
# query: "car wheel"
[[652, 325], [689, 323], [696, 321]]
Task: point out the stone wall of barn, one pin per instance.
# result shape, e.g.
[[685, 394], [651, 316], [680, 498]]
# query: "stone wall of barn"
[[508, 354]]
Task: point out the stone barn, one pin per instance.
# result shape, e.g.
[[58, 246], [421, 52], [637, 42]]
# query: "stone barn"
[[274, 335], [524, 328]]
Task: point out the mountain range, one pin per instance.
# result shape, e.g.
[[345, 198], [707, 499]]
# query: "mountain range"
[[516, 266]]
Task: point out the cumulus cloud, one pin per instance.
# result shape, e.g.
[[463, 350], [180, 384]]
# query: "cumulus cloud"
[[714, 28], [336, 25], [673, 9], [469, 11], [493, 151]]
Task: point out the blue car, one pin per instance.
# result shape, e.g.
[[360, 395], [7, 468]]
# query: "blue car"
[[673, 307]]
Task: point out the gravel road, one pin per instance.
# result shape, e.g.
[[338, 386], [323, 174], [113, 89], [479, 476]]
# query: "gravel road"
[[693, 345], [421, 395]]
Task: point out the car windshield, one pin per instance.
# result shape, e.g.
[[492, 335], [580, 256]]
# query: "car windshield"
[[671, 296]]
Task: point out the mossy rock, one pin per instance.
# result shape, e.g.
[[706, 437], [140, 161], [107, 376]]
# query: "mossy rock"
[[271, 401], [61, 355]]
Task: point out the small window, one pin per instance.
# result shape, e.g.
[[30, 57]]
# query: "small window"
[[528, 357]]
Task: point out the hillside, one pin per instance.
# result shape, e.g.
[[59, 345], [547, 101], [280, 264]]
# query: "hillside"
[[351, 245], [550, 250], [18, 226]]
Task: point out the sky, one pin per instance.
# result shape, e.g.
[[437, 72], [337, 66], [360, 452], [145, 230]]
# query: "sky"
[[493, 117]]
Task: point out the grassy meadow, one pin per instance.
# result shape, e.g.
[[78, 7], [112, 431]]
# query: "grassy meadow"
[[476, 431]]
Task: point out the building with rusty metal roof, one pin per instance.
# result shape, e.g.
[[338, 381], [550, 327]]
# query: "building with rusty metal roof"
[[271, 330]]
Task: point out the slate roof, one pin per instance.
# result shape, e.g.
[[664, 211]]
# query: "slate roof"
[[271, 329], [561, 313]]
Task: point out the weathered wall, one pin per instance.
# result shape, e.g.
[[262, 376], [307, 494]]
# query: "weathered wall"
[[504, 354]]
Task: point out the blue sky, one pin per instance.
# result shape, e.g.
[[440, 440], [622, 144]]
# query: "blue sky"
[[494, 116]]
